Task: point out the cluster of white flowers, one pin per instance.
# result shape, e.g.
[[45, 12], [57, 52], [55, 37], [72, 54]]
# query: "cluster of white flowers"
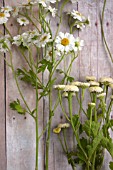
[[66, 43], [4, 44], [5, 14], [80, 21], [32, 37]]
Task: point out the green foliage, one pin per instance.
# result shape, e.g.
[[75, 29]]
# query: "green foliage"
[[15, 105], [76, 121], [43, 64], [28, 77], [111, 165], [108, 144]]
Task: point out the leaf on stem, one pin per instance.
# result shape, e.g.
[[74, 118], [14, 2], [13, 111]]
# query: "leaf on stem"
[[15, 105]]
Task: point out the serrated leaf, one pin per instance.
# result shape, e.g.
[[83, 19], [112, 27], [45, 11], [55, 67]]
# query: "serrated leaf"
[[15, 105], [45, 64], [108, 144], [96, 141], [111, 165], [29, 77]]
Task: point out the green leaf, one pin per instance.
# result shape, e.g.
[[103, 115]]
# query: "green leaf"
[[70, 79], [28, 77], [92, 148], [15, 105], [111, 165], [108, 144], [76, 121], [45, 64]]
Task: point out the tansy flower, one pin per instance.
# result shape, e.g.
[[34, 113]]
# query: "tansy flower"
[[64, 125], [57, 130], [4, 44], [71, 88], [43, 40], [81, 84], [90, 78], [59, 87], [53, 11], [94, 83], [4, 17], [92, 105], [95, 89], [106, 80], [65, 42], [23, 21], [6, 9], [78, 44]]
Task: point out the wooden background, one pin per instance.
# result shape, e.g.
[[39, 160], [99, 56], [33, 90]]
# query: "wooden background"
[[17, 133]]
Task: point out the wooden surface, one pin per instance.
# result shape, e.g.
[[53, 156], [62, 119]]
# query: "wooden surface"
[[18, 144]]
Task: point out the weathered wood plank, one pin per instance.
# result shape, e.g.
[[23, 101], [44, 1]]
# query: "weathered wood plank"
[[2, 110], [21, 129]]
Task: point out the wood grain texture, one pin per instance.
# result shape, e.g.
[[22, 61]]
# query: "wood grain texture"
[[2, 110], [20, 130]]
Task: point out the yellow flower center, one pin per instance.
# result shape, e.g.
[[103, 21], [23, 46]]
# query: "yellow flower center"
[[50, 53], [2, 15], [65, 42], [5, 9], [44, 38]]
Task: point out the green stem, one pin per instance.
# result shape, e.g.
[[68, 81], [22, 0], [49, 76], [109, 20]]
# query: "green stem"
[[71, 118], [37, 125], [94, 101], [64, 136]]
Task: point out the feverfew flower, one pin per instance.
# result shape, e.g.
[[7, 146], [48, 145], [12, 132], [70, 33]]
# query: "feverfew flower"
[[92, 105], [43, 40], [81, 84], [45, 3], [78, 44], [77, 15], [23, 21], [6, 9], [106, 80], [4, 44], [94, 83], [64, 125], [53, 11], [90, 78], [101, 96], [95, 89], [59, 87], [65, 42], [4, 17], [71, 88], [65, 94], [15, 11]]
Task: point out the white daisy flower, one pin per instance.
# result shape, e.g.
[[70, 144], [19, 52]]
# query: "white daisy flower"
[[23, 21], [17, 40], [5, 44], [71, 88], [45, 3], [15, 11], [95, 89], [78, 44], [59, 87], [6, 9], [106, 80], [4, 17], [43, 40], [90, 78], [64, 125], [77, 15], [65, 42], [53, 11]]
